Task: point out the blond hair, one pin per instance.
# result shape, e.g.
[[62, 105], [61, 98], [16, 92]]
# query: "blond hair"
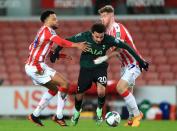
[[107, 8]]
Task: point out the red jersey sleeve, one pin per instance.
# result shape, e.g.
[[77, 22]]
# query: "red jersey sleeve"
[[61, 42], [56, 39], [128, 39]]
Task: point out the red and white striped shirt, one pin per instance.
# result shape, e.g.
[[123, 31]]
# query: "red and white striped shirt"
[[42, 45], [120, 32]]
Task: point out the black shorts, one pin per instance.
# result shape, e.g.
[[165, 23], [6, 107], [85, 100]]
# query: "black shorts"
[[89, 75]]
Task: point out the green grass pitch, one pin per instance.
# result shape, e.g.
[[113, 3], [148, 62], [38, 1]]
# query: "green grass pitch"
[[84, 125]]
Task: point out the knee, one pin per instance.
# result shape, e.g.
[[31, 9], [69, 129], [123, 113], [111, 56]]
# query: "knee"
[[121, 88], [59, 80], [79, 96], [101, 93], [64, 84]]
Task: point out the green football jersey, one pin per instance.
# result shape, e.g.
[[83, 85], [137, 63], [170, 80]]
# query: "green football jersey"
[[96, 50]]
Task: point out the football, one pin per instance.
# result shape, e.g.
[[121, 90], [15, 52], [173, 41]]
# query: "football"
[[113, 118]]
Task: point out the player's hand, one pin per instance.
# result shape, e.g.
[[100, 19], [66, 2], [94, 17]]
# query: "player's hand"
[[82, 46], [100, 60], [144, 65], [54, 57]]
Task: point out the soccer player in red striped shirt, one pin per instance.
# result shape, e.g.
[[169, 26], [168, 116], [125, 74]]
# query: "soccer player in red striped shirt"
[[130, 69], [43, 75]]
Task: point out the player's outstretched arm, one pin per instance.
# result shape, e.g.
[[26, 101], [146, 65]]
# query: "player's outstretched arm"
[[81, 46], [56, 55], [65, 43], [142, 64], [78, 39], [102, 59]]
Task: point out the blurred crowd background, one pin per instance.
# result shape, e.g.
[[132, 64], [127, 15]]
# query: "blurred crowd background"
[[152, 24], [86, 7]]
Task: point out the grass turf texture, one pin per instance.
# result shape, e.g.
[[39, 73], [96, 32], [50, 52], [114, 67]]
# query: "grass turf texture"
[[84, 125]]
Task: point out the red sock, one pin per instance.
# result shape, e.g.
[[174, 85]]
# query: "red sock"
[[53, 93], [126, 93], [62, 89]]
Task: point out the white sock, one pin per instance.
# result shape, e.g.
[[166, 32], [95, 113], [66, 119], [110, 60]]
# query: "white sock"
[[128, 107], [131, 104], [129, 111], [43, 103], [60, 106]]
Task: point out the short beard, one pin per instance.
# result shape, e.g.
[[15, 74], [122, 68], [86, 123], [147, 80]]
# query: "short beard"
[[54, 27]]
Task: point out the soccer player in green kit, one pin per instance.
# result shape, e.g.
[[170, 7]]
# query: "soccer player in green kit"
[[99, 43]]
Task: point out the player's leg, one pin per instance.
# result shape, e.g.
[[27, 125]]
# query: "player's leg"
[[47, 96], [61, 83], [49, 79], [101, 80], [39, 80], [130, 88], [133, 120], [58, 83], [129, 122], [78, 108], [101, 101], [101, 89], [58, 79], [123, 89], [43, 103], [78, 101], [53, 90], [84, 83]]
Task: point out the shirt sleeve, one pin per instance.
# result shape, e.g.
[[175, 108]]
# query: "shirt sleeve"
[[128, 39], [56, 39], [77, 38], [119, 44]]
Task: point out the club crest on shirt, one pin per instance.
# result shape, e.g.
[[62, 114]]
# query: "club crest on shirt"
[[117, 40], [117, 34], [53, 32], [104, 47]]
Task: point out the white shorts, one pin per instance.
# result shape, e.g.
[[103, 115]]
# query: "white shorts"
[[37, 78], [130, 73]]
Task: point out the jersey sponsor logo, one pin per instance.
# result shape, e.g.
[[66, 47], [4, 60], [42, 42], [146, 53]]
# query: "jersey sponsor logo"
[[53, 32], [36, 42], [95, 51]]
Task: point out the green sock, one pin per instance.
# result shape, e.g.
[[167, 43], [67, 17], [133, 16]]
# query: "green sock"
[[101, 101], [76, 114], [78, 104], [99, 112]]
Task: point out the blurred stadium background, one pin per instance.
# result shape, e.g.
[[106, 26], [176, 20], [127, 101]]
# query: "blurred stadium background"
[[152, 24]]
